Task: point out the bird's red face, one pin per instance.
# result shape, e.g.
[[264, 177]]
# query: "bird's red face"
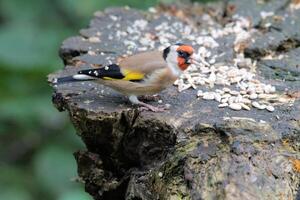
[[184, 58]]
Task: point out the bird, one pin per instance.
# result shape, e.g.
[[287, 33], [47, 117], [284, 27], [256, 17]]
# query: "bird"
[[145, 73]]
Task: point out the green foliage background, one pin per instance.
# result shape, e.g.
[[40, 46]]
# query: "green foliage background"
[[36, 141]]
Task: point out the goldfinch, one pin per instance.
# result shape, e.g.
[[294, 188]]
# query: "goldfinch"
[[145, 73]]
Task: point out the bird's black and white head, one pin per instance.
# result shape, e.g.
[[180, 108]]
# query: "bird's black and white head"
[[179, 56]]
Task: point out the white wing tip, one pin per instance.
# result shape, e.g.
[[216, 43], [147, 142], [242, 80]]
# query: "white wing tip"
[[82, 77], [54, 81]]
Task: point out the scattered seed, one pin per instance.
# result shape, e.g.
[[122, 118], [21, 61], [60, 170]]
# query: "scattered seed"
[[235, 106], [262, 107], [94, 39], [226, 90], [92, 53], [262, 96], [243, 92], [224, 100], [253, 96], [259, 91], [218, 97], [233, 92], [255, 104], [199, 93], [226, 95], [245, 107], [258, 106], [168, 105], [220, 91], [208, 96], [160, 174], [223, 105], [270, 108], [246, 101], [231, 100]]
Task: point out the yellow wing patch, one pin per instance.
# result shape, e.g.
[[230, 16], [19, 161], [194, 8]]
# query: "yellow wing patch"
[[131, 75], [128, 76]]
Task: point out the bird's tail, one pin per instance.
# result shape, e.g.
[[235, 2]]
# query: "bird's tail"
[[74, 78]]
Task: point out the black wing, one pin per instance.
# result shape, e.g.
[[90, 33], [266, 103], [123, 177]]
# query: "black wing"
[[111, 71]]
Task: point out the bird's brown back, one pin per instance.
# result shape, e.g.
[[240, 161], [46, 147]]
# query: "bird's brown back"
[[144, 62]]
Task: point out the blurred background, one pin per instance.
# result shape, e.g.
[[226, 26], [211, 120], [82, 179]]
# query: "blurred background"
[[36, 141]]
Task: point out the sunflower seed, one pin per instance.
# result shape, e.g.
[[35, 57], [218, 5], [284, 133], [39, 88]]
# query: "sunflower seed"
[[199, 93], [224, 100], [270, 108], [253, 96], [235, 106], [208, 96], [245, 106], [258, 106], [233, 92], [226, 89], [218, 97], [223, 105]]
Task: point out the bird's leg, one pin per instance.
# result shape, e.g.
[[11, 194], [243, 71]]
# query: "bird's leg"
[[149, 97], [133, 99]]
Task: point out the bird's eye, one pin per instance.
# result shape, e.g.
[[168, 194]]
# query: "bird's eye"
[[181, 53]]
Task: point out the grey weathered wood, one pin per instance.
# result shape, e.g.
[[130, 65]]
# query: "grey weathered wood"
[[188, 152]]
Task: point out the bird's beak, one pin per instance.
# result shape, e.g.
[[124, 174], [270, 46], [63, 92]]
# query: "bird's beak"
[[189, 61]]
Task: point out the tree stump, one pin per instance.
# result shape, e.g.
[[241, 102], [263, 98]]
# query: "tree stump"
[[195, 150]]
